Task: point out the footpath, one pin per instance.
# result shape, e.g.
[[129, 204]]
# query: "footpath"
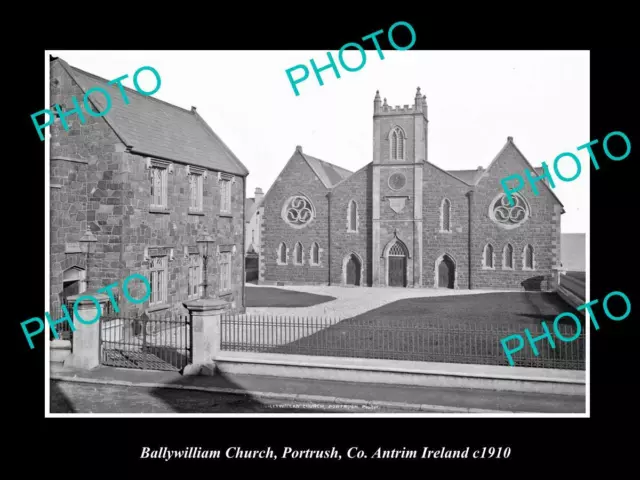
[[411, 399]]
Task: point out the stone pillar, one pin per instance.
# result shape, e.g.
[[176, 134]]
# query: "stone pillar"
[[206, 314], [86, 338]]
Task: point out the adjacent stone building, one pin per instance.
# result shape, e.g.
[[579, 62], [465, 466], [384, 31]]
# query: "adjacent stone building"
[[145, 179], [253, 210], [403, 221]]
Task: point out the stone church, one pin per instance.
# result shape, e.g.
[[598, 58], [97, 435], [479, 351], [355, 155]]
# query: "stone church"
[[402, 221]]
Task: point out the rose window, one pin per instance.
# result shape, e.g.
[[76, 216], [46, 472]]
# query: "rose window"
[[298, 211], [508, 215]]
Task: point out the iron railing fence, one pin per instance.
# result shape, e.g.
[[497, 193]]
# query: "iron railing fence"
[[159, 341], [397, 339], [63, 329]]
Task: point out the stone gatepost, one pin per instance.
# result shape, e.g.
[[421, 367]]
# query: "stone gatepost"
[[86, 338], [206, 315]]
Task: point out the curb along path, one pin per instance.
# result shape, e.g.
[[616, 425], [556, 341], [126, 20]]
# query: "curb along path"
[[410, 407]]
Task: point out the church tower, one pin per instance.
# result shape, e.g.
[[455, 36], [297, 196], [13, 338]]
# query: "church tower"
[[399, 152]]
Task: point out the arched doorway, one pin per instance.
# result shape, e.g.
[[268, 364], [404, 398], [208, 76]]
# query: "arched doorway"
[[73, 282], [446, 272], [353, 268], [397, 261]]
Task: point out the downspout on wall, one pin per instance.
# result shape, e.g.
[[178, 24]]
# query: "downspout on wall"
[[469, 259], [329, 238]]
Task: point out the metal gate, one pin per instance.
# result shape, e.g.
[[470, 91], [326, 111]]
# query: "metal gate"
[[156, 342]]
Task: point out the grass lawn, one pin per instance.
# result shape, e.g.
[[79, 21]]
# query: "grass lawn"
[[277, 297], [458, 329]]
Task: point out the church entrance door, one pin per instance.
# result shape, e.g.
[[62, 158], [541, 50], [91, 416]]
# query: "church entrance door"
[[446, 273], [397, 271], [353, 270]]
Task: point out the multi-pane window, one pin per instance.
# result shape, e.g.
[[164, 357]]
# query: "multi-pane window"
[[158, 280], [315, 254], [194, 278], [488, 256], [225, 195], [195, 192], [445, 224], [158, 187], [528, 258], [225, 271], [507, 260]]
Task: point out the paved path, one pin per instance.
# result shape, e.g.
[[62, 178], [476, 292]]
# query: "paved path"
[[352, 301], [73, 397], [293, 390]]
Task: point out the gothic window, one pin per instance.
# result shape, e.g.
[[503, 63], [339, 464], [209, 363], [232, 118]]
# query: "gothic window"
[[297, 254], [487, 258], [445, 216], [352, 213], [528, 258], [315, 254], [225, 196], [397, 145], [507, 257], [282, 254], [298, 211], [509, 216]]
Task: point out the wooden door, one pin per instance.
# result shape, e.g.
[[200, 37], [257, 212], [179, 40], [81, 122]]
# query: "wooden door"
[[397, 271], [446, 273]]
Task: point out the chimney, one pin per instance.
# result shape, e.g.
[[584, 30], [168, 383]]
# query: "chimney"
[[258, 195], [193, 109]]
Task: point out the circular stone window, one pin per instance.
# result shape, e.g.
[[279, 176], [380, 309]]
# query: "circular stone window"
[[397, 181], [508, 215], [298, 211]]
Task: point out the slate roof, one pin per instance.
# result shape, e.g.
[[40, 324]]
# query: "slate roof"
[[250, 206], [467, 176], [151, 126], [328, 173]]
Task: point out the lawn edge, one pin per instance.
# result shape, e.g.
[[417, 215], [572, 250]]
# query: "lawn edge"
[[425, 408]]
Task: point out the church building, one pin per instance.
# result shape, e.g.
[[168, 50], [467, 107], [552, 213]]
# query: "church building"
[[402, 221]]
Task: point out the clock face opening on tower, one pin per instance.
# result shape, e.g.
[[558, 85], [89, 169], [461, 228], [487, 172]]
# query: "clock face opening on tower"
[[397, 181]]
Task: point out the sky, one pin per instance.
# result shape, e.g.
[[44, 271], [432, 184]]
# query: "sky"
[[475, 101]]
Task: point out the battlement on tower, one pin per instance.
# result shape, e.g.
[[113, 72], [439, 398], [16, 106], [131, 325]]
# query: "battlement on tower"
[[419, 106]]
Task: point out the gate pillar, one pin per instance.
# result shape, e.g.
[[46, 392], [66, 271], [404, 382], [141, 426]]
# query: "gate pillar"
[[86, 338], [205, 316]]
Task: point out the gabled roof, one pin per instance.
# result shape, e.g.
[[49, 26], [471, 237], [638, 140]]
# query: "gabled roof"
[[251, 206], [537, 170], [328, 173], [149, 126], [467, 176]]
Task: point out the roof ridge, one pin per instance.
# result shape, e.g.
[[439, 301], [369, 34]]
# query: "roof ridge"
[[131, 90], [328, 163]]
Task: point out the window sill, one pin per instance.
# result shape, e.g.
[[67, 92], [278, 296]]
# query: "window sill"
[[225, 214], [507, 269], [446, 231], [488, 268], [282, 264], [156, 308], [196, 212], [159, 210]]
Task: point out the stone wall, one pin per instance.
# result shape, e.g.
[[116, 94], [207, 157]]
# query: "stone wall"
[[437, 186], [344, 242], [541, 230], [84, 159], [296, 178], [95, 182]]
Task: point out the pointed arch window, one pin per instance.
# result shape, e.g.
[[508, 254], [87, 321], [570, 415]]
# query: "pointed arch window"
[[298, 254], [315, 254], [507, 257], [352, 216], [397, 144], [487, 257], [282, 254], [528, 260], [445, 216]]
